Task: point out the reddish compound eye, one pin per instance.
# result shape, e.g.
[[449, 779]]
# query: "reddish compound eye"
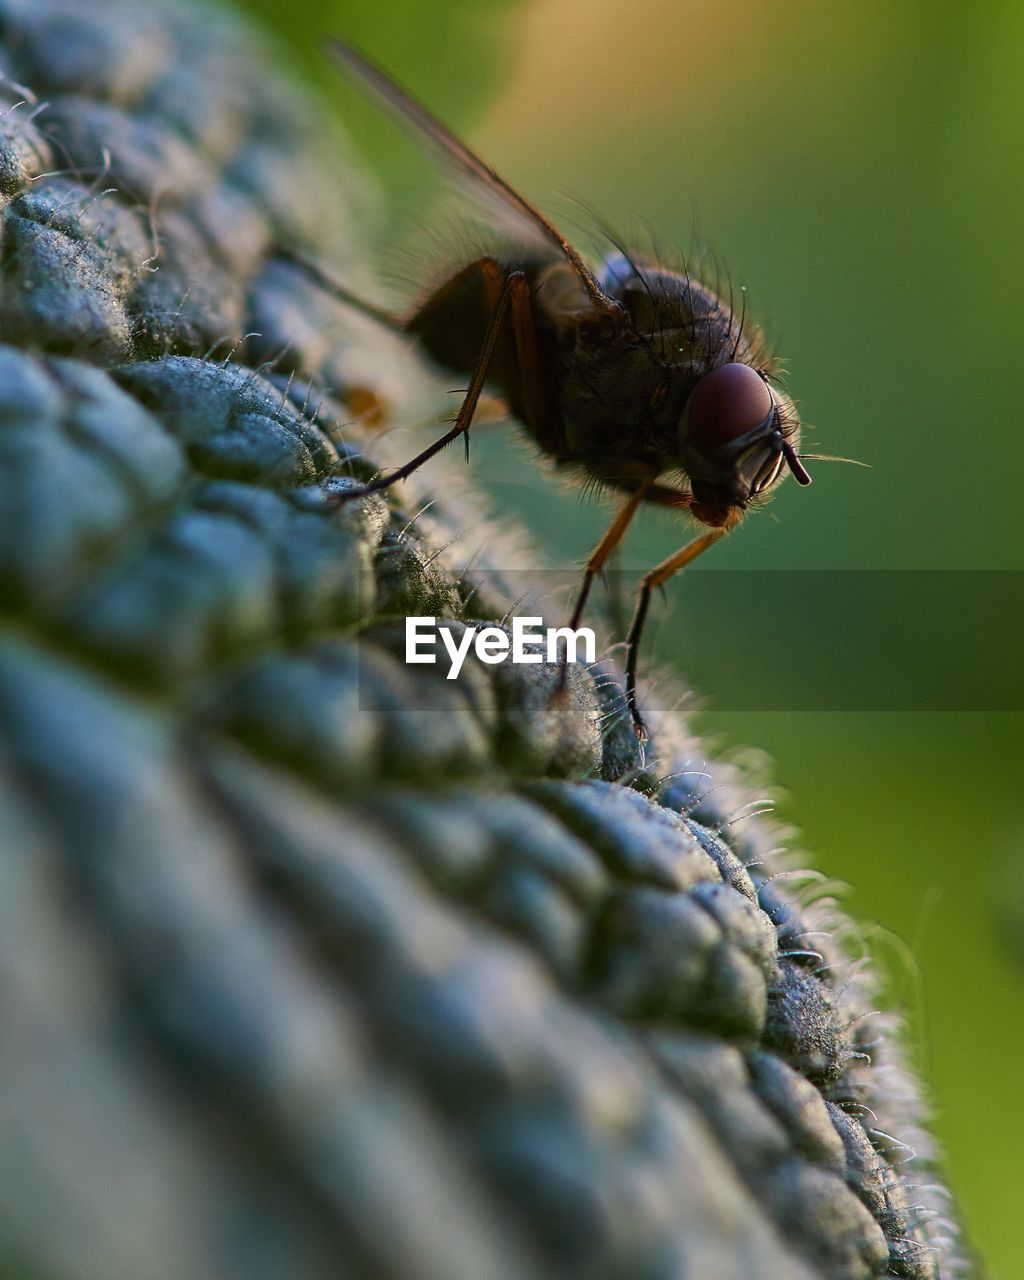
[[727, 403]]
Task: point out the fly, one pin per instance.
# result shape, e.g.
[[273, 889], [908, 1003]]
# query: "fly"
[[632, 375]]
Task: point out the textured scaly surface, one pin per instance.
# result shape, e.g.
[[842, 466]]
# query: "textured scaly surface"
[[300, 977]]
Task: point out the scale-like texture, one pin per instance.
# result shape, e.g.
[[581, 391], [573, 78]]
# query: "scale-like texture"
[[313, 963]]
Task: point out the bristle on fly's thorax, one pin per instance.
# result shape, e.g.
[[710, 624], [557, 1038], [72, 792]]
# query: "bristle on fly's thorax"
[[684, 319]]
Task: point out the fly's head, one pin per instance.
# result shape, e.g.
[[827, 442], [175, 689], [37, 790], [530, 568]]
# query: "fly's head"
[[736, 435]]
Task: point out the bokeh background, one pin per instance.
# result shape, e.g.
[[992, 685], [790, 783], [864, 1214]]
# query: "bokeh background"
[[856, 166]]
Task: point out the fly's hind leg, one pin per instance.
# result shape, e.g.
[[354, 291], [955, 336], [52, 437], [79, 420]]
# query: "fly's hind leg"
[[511, 294]]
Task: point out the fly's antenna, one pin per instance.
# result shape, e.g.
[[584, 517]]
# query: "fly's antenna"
[[800, 472]]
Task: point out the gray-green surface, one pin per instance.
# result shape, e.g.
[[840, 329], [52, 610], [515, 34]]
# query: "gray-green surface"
[[314, 966]]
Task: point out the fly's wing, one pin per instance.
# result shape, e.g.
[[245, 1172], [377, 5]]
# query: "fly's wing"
[[467, 166]]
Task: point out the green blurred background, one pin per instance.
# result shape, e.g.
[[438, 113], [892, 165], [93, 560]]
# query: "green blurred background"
[[857, 166]]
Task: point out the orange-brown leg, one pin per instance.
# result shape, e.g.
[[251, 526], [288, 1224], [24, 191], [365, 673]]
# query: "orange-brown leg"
[[528, 367], [514, 292], [657, 577], [519, 350], [491, 274], [611, 538]]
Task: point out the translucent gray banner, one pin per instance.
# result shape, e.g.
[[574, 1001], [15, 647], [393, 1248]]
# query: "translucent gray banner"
[[850, 640]]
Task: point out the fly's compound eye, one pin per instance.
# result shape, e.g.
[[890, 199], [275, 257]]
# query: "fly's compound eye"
[[726, 405]]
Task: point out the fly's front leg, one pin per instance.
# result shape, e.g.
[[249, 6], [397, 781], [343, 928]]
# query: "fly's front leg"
[[657, 577], [514, 292], [643, 490], [613, 535]]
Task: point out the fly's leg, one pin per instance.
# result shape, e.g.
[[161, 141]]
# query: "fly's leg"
[[330, 284], [616, 608], [661, 495], [613, 535], [514, 293], [657, 577]]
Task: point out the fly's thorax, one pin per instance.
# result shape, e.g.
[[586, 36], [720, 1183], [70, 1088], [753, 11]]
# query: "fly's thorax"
[[685, 320], [622, 400]]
